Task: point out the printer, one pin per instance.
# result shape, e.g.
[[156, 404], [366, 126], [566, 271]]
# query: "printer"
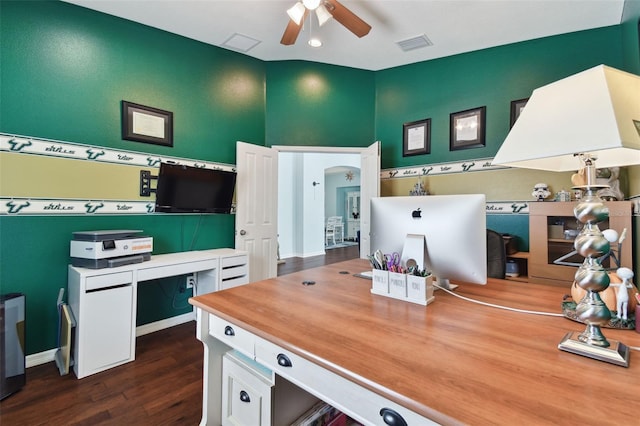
[[108, 249]]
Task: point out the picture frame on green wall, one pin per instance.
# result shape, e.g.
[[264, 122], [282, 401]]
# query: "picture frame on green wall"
[[416, 137], [467, 129], [146, 124], [516, 108]]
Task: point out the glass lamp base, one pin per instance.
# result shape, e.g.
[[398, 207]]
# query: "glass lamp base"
[[617, 353]]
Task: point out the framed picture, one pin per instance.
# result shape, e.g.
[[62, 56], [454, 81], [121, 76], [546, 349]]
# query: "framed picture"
[[516, 109], [416, 137], [467, 129], [146, 124]]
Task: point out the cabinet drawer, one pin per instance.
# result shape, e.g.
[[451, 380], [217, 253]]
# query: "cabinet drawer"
[[108, 280], [233, 261], [356, 401], [234, 282], [155, 272], [232, 335], [246, 392], [232, 272]]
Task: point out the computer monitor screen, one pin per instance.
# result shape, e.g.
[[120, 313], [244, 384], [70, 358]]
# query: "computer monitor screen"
[[454, 229]]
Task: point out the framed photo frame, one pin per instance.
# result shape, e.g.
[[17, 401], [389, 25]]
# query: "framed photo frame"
[[146, 124], [516, 109], [416, 137], [467, 129]]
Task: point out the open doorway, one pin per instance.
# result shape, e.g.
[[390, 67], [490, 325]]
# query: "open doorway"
[[307, 196], [259, 191], [341, 206]]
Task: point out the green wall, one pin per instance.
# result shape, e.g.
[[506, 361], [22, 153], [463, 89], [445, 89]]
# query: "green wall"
[[492, 78], [65, 70], [630, 36], [312, 104]]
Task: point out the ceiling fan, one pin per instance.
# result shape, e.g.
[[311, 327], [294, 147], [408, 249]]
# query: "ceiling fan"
[[325, 10]]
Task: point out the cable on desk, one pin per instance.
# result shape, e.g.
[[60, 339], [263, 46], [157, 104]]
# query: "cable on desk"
[[524, 311]]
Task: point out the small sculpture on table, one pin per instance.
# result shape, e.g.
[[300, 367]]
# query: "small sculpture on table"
[[540, 191], [622, 292]]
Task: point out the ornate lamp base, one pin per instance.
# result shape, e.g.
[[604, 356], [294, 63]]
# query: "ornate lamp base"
[[617, 353]]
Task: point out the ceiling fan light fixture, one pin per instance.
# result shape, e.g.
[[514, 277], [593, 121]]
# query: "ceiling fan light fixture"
[[296, 13], [323, 15], [314, 42], [311, 4]]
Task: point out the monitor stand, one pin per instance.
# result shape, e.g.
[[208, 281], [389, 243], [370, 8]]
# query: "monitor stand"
[[414, 253], [444, 283]]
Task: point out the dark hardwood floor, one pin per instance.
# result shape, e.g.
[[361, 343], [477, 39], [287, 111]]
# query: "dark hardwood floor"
[[294, 264], [163, 386]]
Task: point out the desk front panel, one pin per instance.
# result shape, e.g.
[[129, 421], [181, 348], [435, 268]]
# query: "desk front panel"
[[451, 361]]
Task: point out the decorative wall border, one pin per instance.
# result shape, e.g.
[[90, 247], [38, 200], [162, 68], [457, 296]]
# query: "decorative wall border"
[[466, 166], [60, 207], [508, 207], [77, 151], [61, 149]]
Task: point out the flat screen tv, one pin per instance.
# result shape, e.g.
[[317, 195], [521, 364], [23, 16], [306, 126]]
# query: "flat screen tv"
[[186, 189]]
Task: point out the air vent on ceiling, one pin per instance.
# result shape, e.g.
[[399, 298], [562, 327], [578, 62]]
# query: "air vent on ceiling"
[[414, 43], [241, 43]]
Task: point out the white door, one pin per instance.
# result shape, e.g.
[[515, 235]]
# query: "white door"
[[369, 188], [257, 208]]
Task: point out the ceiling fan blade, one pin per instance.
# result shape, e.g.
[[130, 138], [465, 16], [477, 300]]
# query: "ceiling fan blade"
[[347, 18], [291, 32]]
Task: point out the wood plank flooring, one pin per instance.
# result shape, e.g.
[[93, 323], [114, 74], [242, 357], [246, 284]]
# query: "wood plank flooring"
[[163, 386], [294, 264]]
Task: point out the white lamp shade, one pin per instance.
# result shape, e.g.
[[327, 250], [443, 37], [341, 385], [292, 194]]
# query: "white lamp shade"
[[596, 111]]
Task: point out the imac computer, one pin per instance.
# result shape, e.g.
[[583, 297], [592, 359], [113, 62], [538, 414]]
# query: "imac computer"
[[454, 227]]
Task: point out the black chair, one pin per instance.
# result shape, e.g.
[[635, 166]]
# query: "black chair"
[[496, 255]]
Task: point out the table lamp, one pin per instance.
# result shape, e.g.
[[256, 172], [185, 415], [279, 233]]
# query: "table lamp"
[[589, 117]]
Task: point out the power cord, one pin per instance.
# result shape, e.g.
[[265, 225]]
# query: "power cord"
[[524, 311]]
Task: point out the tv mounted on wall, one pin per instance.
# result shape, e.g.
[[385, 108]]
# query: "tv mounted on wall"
[[187, 189]]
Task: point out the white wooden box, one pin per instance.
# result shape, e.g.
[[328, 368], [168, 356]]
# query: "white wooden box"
[[419, 289], [380, 281], [397, 285]]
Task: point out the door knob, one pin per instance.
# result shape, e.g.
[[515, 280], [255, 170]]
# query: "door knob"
[[244, 396], [243, 232]]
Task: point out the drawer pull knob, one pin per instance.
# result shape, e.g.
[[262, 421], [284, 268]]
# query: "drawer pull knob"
[[392, 418], [284, 360], [228, 331], [244, 397]]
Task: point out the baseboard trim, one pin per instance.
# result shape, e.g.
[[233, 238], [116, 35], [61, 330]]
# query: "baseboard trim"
[[40, 358], [165, 323], [48, 356]]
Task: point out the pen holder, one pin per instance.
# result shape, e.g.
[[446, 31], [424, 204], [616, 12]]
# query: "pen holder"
[[419, 289], [409, 288], [397, 285], [380, 281]]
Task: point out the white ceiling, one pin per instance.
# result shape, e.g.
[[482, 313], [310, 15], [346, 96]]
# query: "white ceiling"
[[453, 26]]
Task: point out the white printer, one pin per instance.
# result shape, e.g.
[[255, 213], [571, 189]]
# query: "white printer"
[[108, 249]]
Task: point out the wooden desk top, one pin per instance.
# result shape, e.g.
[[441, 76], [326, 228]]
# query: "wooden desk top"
[[453, 361]]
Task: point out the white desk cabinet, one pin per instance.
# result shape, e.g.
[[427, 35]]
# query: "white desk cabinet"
[[109, 307], [104, 301], [270, 385]]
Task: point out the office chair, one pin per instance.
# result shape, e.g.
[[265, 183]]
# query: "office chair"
[[496, 255]]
